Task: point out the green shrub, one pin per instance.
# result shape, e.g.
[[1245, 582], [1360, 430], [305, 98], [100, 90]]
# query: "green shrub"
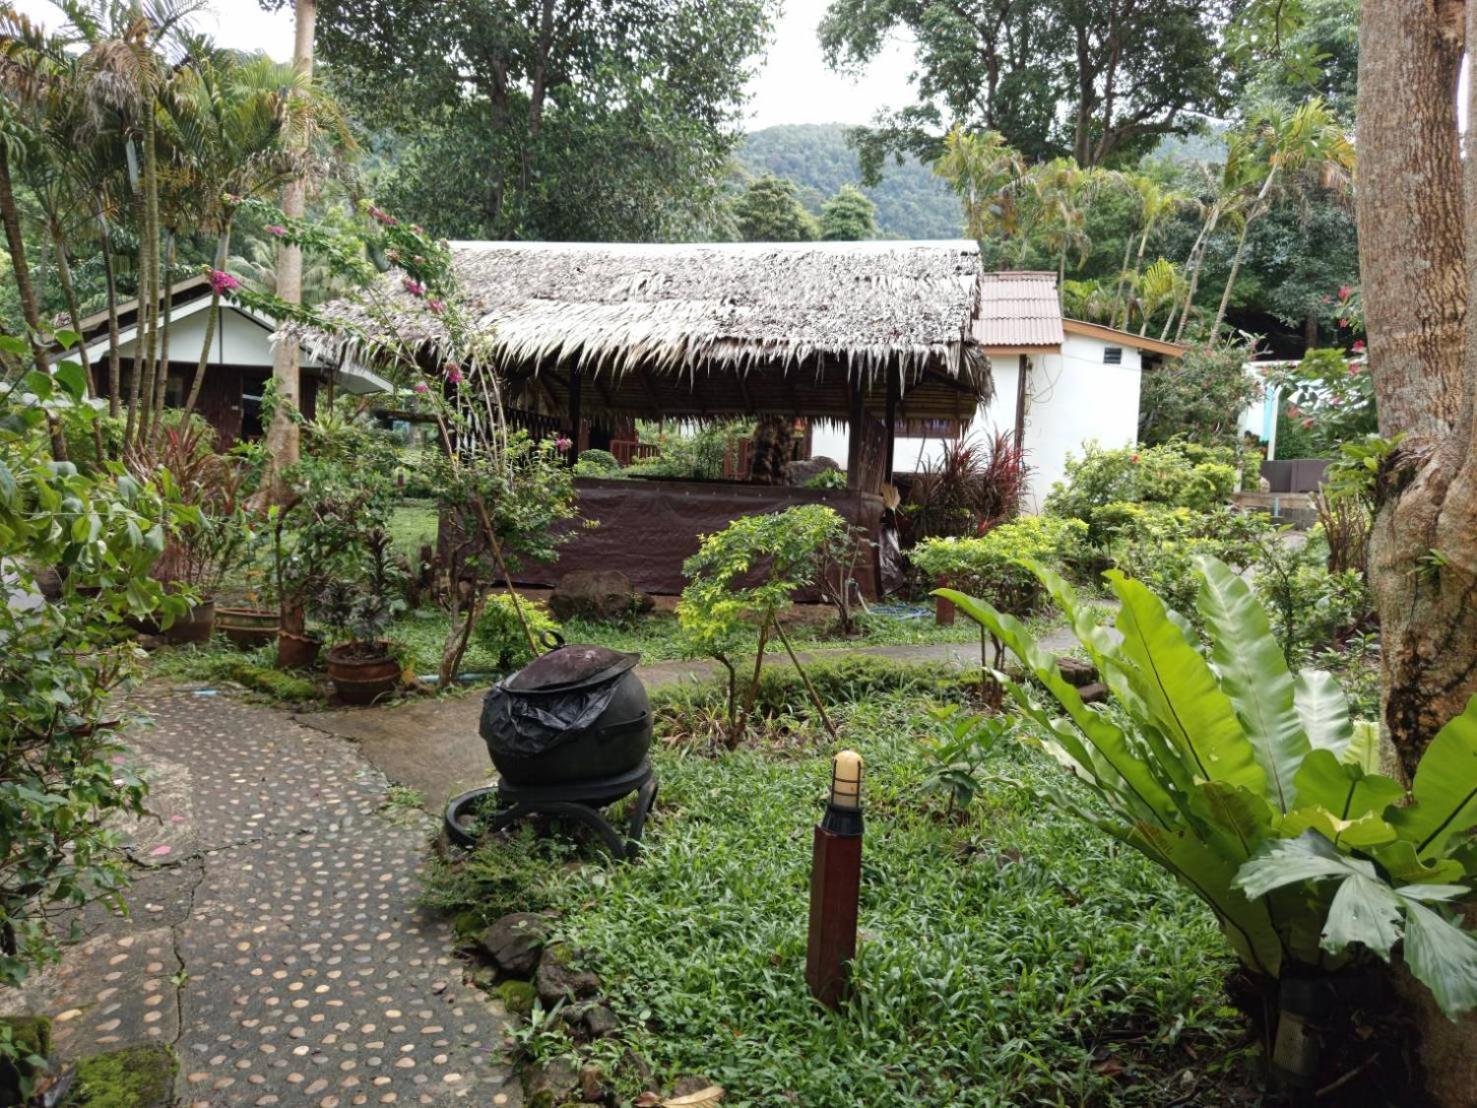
[[1251, 784], [990, 565], [500, 634], [827, 479], [597, 463], [1178, 474], [1157, 544]]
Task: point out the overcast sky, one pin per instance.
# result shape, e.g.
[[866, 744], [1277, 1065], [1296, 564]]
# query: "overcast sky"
[[794, 86]]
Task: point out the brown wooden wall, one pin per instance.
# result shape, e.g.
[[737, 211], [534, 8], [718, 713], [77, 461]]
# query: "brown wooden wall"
[[222, 397]]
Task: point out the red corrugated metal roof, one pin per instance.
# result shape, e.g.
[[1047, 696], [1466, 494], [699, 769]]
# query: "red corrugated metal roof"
[[1019, 309]]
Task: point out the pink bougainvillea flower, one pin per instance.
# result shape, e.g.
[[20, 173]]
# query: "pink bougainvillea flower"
[[222, 281], [274, 229], [420, 386], [562, 444], [414, 287], [1358, 346], [436, 306], [1343, 323], [383, 216], [454, 373], [1345, 292]]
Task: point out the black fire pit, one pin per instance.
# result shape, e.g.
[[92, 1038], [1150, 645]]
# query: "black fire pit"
[[568, 734]]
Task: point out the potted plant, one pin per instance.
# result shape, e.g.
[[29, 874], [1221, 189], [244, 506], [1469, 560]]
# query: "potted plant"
[[358, 609], [211, 538], [296, 578], [252, 621]]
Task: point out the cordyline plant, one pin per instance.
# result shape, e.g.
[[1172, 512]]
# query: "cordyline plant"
[[1251, 785], [741, 579], [459, 390]]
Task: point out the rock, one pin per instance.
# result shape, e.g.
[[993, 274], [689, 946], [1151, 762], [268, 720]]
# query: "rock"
[[1076, 672], [554, 1083], [1096, 693], [600, 594], [515, 941], [600, 1021], [593, 1086], [557, 980], [686, 1086], [517, 997], [801, 472]]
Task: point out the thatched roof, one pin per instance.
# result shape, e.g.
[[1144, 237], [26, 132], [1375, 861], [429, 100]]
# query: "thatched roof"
[[712, 329]]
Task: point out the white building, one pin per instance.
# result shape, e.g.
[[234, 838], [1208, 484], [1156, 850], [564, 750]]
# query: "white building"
[[1081, 382]]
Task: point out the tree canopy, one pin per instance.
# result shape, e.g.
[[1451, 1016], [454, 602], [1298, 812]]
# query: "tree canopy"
[[552, 119], [770, 211], [848, 216], [1101, 80]]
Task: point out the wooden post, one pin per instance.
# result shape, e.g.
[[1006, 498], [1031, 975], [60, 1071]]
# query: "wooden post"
[[894, 388], [574, 414], [856, 436], [835, 885], [1020, 402]]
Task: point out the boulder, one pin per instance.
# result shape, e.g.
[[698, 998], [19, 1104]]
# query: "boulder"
[[600, 594], [557, 980], [600, 1021], [515, 942], [801, 472], [549, 1085]]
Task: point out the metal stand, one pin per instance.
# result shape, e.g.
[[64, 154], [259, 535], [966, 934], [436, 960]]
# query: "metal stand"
[[578, 800]]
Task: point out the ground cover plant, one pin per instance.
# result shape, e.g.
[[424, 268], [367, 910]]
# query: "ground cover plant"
[[992, 968]]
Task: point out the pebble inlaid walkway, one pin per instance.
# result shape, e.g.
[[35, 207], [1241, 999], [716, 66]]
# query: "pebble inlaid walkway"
[[273, 939]]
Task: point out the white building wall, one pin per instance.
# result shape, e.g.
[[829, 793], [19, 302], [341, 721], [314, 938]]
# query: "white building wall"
[[238, 341], [1073, 397]]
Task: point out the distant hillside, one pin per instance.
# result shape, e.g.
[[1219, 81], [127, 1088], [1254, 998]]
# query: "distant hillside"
[[911, 202]]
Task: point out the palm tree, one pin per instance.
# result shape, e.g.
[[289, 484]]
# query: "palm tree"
[[1160, 284], [1277, 146], [1155, 204], [244, 126], [1060, 190], [282, 435], [986, 173]]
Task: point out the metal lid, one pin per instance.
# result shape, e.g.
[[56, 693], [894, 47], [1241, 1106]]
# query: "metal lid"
[[571, 667]]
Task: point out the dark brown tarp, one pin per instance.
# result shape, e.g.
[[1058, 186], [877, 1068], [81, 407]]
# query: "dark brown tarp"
[[647, 529]]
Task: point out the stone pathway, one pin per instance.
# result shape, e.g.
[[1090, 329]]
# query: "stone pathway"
[[273, 939]]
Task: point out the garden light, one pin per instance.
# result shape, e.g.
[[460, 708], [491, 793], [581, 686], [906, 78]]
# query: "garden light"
[[835, 884]]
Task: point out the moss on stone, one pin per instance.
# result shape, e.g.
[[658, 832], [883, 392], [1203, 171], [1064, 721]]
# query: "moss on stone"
[[517, 996], [135, 1077], [272, 682], [29, 1035]]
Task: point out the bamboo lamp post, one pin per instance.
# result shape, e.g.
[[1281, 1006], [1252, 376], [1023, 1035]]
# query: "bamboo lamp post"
[[835, 884]]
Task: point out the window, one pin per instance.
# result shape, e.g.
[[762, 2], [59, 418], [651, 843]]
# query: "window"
[[1113, 355]]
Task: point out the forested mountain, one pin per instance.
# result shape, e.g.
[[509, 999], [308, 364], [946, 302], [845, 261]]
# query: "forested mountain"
[[911, 202]]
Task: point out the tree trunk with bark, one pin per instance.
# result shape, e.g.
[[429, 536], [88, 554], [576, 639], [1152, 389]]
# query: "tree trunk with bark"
[[1418, 262], [282, 435]]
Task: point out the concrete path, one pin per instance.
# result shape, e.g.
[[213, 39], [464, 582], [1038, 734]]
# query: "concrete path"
[[273, 937], [433, 747]]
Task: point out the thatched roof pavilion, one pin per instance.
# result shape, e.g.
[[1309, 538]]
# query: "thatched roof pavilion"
[[821, 330]]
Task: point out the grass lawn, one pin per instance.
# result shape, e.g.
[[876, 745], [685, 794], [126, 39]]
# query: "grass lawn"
[[412, 525], [1015, 955]]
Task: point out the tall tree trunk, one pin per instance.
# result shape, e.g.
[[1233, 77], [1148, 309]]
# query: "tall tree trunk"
[[212, 320], [1310, 331], [1418, 266], [10, 216], [1220, 312], [1119, 300], [1414, 250], [282, 435], [161, 374], [115, 368], [1194, 262]]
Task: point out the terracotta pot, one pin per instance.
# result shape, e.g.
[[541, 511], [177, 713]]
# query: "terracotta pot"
[[363, 672], [247, 627], [296, 651]]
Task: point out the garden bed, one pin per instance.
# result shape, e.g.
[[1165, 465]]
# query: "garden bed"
[[994, 963]]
